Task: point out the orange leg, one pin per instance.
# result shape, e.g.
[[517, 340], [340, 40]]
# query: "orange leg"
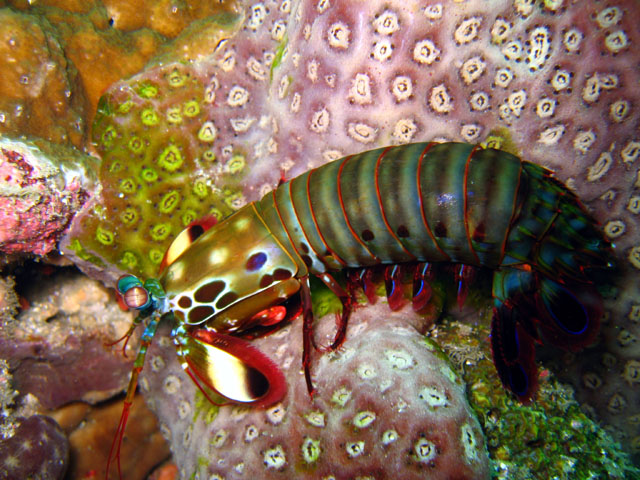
[[147, 336]]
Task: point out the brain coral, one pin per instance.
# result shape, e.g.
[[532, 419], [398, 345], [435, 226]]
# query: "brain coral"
[[396, 408], [291, 85]]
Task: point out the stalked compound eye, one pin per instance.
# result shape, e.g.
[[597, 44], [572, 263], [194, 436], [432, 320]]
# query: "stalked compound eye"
[[133, 292], [137, 298], [125, 282]]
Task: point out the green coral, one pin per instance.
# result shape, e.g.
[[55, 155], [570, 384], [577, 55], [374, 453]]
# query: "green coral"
[[149, 117], [277, 59], [551, 438], [154, 171], [170, 158]]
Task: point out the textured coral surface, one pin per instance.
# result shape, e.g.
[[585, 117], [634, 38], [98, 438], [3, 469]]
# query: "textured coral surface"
[[35, 83], [53, 344], [38, 449], [302, 83], [43, 186], [398, 407], [57, 58]]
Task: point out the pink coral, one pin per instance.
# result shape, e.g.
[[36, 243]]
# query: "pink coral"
[[41, 190], [398, 407], [303, 83]]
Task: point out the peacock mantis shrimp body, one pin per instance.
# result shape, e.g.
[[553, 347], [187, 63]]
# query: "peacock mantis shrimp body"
[[410, 205]]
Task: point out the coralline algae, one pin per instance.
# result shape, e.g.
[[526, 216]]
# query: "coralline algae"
[[43, 186]]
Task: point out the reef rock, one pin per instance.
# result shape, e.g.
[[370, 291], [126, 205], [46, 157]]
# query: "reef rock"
[[38, 449], [43, 186], [56, 347], [398, 407]]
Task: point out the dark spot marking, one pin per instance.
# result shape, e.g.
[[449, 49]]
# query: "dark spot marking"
[[307, 260], [256, 261], [226, 300], [304, 248], [479, 234], [256, 383], [440, 230], [209, 292], [194, 232], [281, 274], [367, 235], [266, 280], [403, 231], [200, 313], [184, 302]]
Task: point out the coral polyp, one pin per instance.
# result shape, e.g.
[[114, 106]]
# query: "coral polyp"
[[291, 85], [152, 185]]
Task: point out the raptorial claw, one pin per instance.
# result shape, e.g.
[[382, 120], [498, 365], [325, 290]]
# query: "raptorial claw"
[[232, 367]]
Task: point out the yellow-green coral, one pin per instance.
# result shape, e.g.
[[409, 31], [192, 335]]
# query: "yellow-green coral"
[[152, 138]]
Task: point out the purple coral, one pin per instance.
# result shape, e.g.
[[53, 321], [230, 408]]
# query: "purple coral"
[[302, 83], [38, 449], [53, 344], [387, 403]]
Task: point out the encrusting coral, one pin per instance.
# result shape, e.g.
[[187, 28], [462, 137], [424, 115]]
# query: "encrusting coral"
[[289, 85], [302, 83], [43, 187], [38, 449], [35, 91], [398, 407]]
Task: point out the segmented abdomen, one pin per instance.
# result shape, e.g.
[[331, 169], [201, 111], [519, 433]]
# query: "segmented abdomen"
[[430, 202]]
